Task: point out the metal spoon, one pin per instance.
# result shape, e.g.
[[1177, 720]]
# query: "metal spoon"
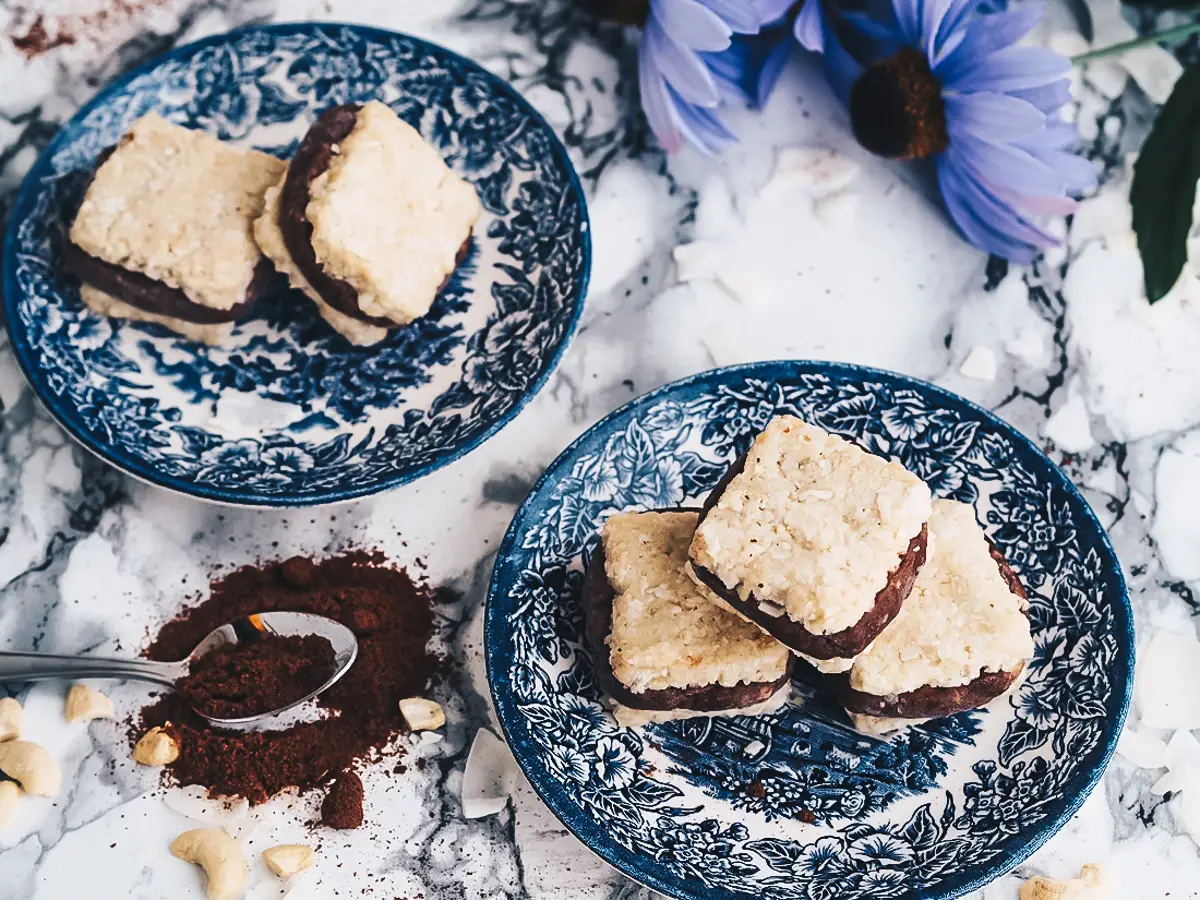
[[17, 667]]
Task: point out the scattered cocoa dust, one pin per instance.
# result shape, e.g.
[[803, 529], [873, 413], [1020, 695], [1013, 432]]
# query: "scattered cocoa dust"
[[37, 40], [393, 618], [44, 35]]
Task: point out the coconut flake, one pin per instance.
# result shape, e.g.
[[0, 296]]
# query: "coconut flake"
[[697, 260], [980, 364], [1169, 661], [1144, 752], [301, 886], [838, 211], [1154, 69], [489, 776], [194, 803], [1070, 426], [816, 171], [1106, 76], [744, 284], [1026, 346]]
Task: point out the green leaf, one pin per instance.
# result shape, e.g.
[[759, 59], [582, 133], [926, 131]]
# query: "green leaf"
[[1164, 186]]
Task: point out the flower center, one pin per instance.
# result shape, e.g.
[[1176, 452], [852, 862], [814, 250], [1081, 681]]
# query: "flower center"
[[623, 12], [896, 108]]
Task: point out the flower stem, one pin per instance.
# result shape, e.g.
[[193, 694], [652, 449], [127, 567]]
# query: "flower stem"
[[1171, 34]]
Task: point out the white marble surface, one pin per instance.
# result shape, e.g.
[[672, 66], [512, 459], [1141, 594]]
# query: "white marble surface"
[[1069, 352]]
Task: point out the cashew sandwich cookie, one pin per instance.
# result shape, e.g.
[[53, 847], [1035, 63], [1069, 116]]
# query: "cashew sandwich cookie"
[[164, 232], [368, 221], [961, 639], [660, 649], [814, 540]]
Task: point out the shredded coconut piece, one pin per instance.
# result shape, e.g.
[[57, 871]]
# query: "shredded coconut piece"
[[489, 776], [1095, 882]]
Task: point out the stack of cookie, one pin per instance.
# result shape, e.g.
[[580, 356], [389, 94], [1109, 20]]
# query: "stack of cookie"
[[809, 545], [366, 219]]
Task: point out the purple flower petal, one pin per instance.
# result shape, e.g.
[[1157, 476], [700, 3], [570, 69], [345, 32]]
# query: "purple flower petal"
[[691, 24], [1056, 136], [841, 68], [656, 102], [908, 18], [740, 15], [1012, 69], [1003, 216], [771, 12], [700, 126], [772, 68], [990, 34], [729, 70], [992, 117], [809, 29], [983, 235], [1006, 165], [932, 13], [956, 14], [1046, 97], [1040, 206], [680, 67], [1077, 173]]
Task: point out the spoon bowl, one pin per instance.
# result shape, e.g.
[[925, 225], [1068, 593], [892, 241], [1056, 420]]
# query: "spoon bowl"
[[20, 667]]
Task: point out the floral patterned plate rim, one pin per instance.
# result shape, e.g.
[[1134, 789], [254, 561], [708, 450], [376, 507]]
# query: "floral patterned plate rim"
[[796, 805], [286, 413]]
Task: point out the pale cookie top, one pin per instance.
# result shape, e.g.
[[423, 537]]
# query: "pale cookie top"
[[664, 633], [960, 620], [813, 524], [389, 216], [178, 205], [270, 240]]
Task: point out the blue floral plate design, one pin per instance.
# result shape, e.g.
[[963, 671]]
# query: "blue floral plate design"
[[287, 413], [796, 805]]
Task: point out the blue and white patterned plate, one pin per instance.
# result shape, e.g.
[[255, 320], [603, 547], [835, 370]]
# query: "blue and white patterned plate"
[[288, 413], [796, 806]]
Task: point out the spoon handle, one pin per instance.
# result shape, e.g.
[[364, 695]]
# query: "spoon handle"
[[18, 667]]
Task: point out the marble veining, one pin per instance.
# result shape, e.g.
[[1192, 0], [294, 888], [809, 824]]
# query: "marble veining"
[[1066, 350]]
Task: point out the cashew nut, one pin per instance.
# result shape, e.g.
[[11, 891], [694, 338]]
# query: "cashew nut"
[[85, 703], [156, 748], [1093, 883], [220, 857], [9, 795], [421, 714], [10, 719], [288, 859], [32, 766]]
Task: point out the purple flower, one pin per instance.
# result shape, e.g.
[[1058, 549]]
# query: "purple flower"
[[940, 79], [689, 63]]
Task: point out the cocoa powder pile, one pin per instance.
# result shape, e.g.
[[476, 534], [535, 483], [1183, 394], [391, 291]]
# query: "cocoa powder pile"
[[247, 679], [393, 619]]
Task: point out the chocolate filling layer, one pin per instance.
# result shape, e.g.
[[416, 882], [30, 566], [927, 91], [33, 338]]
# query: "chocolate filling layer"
[[153, 296], [597, 601], [931, 702], [312, 158]]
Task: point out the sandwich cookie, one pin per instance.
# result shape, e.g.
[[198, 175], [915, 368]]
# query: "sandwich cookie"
[[660, 649], [814, 540]]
